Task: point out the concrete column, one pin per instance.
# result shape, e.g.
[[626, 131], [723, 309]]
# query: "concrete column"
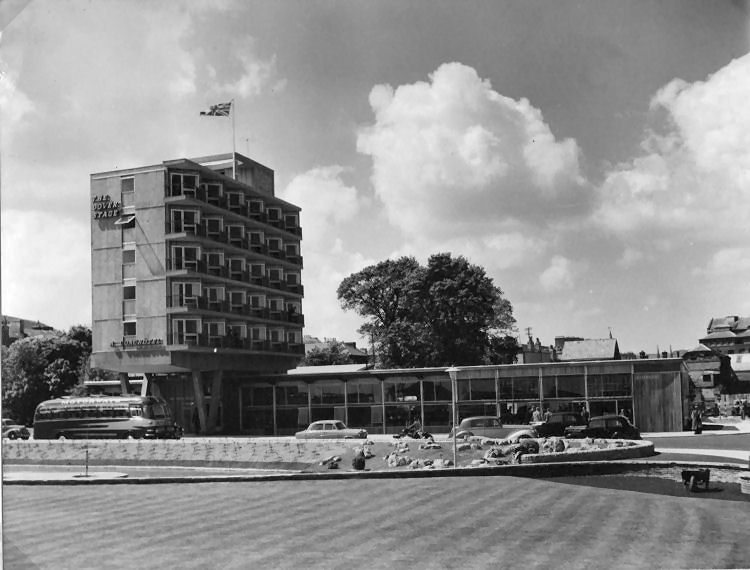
[[199, 402], [124, 383], [213, 405], [144, 385]]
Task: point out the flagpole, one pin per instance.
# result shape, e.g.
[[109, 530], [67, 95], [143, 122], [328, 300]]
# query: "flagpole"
[[234, 153]]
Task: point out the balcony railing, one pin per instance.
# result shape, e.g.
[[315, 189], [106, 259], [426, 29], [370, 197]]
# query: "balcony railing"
[[241, 209], [204, 340], [201, 302]]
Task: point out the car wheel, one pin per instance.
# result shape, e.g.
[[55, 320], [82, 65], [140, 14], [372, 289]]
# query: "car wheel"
[[61, 436], [12, 435], [464, 434]]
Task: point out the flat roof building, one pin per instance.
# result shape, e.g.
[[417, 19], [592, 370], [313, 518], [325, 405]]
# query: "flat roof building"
[[196, 279]]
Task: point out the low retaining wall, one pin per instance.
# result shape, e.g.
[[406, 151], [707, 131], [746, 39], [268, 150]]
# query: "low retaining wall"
[[209, 452], [625, 449]]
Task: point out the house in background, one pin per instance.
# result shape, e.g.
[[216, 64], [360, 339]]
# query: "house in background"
[[356, 355], [590, 349], [728, 335], [14, 328]]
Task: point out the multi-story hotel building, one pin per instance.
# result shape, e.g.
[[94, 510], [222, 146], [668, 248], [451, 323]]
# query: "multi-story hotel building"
[[196, 282]]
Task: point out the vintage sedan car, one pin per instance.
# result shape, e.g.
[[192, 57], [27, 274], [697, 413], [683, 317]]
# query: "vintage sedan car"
[[483, 426], [330, 429], [607, 427], [13, 430], [557, 422]]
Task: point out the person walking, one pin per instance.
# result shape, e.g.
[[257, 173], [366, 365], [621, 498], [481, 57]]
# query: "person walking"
[[695, 420], [537, 415]]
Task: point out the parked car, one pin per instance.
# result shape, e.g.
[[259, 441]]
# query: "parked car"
[[557, 422], [13, 430], [484, 426], [330, 429], [608, 427], [519, 435]]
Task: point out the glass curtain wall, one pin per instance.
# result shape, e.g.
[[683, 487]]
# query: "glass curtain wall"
[[382, 404]]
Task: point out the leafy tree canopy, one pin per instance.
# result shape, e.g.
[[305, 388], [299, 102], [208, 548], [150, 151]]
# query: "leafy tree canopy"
[[333, 352], [41, 367], [448, 312]]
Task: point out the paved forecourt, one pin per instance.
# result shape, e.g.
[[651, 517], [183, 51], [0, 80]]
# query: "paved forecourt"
[[476, 522]]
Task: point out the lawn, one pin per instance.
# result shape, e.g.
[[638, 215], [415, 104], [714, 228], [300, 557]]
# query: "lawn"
[[469, 522]]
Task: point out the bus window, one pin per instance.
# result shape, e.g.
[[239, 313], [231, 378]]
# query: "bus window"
[[136, 411]]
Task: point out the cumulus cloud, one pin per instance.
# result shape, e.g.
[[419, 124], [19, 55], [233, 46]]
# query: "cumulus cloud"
[[693, 172], [452, 150], [328, 206], [558, 275], [26, 287]]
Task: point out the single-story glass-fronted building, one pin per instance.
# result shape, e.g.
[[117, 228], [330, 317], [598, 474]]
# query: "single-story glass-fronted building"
[[653, 393]]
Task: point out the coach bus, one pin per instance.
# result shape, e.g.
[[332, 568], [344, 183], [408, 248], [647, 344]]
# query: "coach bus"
[[105, 417]]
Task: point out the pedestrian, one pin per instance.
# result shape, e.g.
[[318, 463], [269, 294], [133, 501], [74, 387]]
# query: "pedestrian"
[[547, 414], [536, 416], [584, 413], [695, 420]]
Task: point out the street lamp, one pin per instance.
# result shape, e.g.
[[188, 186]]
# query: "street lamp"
[[453, 373]]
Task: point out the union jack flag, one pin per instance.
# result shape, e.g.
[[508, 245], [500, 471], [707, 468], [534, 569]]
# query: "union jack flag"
[[218, 110]]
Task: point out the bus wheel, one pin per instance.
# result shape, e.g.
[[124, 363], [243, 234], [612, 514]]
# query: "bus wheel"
[[134, 435]]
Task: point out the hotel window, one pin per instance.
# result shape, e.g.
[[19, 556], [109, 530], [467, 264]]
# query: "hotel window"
[[214, 329], [274, 245], [236, 199], [274, 214], [255, 207], [257, 270], [185, 294], [183, 184], [129, 328], [236, 267], [293, 308], [256, 238], [293, 337], [185, 221], [257, 301], [276, 304], [214, 192], [277, 335], [292, 249], [185, 257], [292, 278], [274, 275], [236, 233], [237, 329], [127, 224], [215, 294], [290, 221], [185, 331], [258, 333], [237, 299], [128, 263], [214, 226], [214, 259], [127, 189], [128, 300]]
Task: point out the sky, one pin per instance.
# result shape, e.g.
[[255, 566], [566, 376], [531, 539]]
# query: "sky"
[[593, 156]]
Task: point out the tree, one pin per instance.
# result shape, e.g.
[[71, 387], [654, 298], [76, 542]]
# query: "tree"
[[449, 312], [333, 353], [38, 368]]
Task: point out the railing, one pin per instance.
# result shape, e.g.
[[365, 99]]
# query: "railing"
[[196, 302], [241, 209], [232, 341]]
